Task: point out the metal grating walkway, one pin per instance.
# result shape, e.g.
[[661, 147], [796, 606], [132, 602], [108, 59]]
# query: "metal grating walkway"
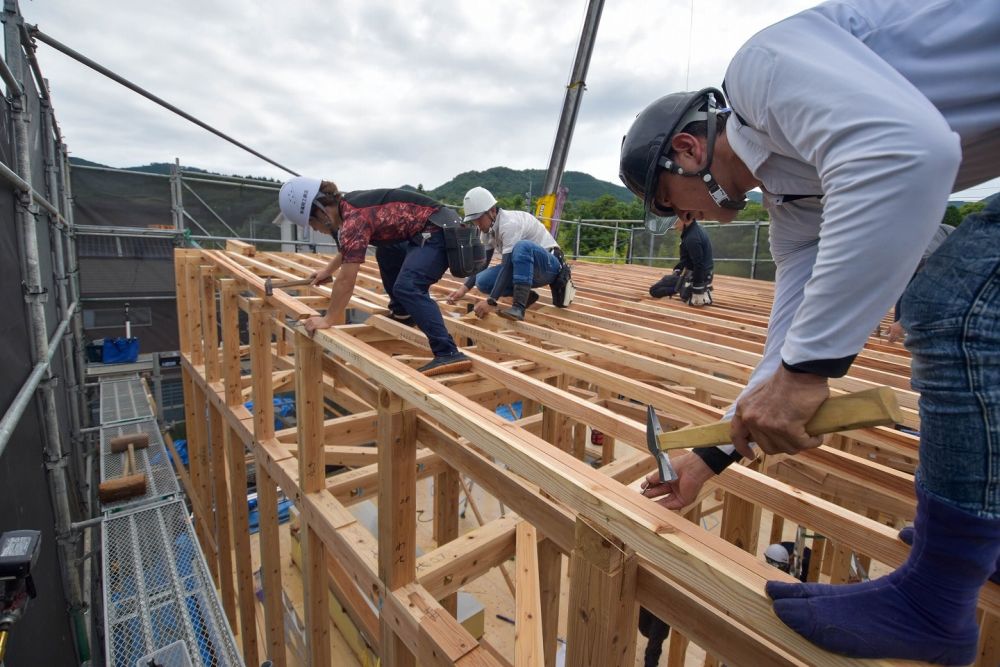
[[153, 461], [157, 589], [124, 400]]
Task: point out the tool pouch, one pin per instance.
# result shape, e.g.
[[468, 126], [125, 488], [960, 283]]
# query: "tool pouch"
[[466, 252]]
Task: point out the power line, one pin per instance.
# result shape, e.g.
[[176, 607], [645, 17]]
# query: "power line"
[[35, 32]]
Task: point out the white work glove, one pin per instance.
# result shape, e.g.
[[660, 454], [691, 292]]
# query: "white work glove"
[[700, 296]]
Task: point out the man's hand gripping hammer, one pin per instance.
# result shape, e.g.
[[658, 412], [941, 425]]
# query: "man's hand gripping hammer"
[[861, 409]]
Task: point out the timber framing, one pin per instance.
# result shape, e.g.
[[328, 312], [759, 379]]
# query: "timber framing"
[[362, 406]]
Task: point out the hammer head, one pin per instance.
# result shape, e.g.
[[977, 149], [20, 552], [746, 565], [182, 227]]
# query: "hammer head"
[[268, 288], [653, 430]]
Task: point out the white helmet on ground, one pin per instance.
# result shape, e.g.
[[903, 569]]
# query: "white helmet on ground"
[[777, 555], [478, 200], [296, 197]]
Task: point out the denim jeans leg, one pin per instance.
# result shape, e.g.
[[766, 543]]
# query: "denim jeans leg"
[[951, 313], [486, 279], [533, 264], [424, 265], [390, 260]]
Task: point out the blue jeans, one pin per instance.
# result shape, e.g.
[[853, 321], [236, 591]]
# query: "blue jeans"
[[408, 270], [951, 313], [533, 265]]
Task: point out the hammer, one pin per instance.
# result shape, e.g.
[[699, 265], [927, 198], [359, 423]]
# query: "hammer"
[[269, 285], [131, 483], [861, 409]]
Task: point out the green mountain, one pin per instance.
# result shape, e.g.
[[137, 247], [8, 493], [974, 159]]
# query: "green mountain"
[[506, 182]]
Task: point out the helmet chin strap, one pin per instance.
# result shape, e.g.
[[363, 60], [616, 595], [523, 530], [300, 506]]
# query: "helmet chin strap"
[[718, 194]]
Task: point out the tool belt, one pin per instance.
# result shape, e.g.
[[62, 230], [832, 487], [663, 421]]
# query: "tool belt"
[[466, 252], [686, 287], [562, 287]]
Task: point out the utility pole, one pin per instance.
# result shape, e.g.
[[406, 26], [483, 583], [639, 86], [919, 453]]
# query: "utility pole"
[[546, 209]]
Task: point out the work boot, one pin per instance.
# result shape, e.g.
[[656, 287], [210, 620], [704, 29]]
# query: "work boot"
[[926, 610], [452, 363], [522, 295]]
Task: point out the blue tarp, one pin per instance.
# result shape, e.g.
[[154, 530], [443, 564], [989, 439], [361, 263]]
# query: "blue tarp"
[[504, 411], [284, 406], [182, 450], [283, 509]]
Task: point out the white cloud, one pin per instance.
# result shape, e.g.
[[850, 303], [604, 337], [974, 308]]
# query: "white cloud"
[[375, 93]]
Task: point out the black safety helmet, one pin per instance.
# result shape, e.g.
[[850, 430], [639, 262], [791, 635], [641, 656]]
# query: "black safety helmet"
[[645, 147]]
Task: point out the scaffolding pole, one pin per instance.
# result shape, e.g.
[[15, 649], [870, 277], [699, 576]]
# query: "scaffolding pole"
[[35, 295]]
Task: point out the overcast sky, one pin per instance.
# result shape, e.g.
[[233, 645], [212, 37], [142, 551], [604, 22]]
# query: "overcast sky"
[[374, 93]]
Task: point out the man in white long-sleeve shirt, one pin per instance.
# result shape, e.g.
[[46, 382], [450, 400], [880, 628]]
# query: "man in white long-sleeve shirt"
[[856, 120], [530, 256]]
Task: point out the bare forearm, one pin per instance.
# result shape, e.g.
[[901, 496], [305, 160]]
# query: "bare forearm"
[[340, 296]]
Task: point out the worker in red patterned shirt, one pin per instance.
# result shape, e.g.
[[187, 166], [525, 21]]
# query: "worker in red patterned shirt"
[[409, 247]]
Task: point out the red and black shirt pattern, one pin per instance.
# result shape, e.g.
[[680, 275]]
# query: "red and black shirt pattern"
[[379, 217]]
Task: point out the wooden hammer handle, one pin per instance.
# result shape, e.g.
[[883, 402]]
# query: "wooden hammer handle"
[[130, 468], [871, 407]]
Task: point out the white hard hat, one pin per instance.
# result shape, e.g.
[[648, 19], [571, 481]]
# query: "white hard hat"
[[776, 554], [296, 199], [478, 200]]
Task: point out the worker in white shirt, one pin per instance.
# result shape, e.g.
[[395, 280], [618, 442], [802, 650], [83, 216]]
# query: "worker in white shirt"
[[856, 119], [530, 256]]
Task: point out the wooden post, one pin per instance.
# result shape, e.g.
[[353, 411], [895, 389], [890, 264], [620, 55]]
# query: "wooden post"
[[741, 519], [397, 512], [198, 461], [223, 524], [608, 445], [677, 646], [192, 304], [777, 529], [602, 610], [236, 460], [267, 491], [555, 425], [549, 587], [580, 441], [446, 495], [209, 324], [528, 649], [989, 641], [312, 479]]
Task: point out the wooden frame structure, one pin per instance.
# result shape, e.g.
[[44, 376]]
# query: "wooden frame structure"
[[591, 367]]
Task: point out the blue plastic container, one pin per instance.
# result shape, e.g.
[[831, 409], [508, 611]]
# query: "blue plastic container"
[[120, 350]]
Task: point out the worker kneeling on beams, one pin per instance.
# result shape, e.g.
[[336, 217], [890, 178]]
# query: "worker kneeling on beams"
[[407, 230], [691, 278], [857, 119], [530, 258]]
